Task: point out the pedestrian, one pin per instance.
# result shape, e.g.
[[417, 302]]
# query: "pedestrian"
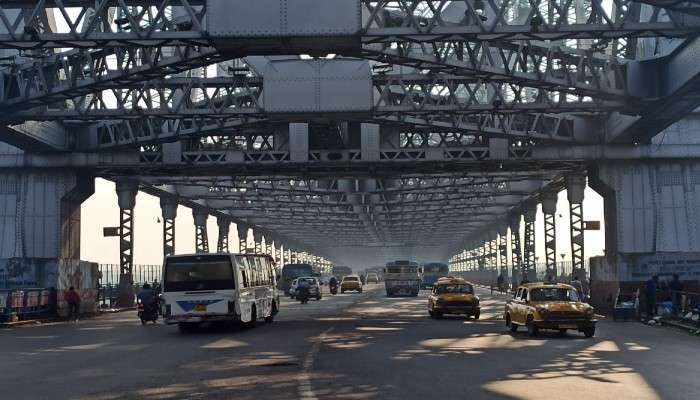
[[500, 281], [676, 287], [650, 288], [73, 299], [576, 283]]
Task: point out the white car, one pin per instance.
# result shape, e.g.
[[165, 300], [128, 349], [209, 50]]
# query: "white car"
[[372, 277], [314, 287]]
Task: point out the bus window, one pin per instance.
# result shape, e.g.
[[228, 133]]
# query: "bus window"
[[242, 263]]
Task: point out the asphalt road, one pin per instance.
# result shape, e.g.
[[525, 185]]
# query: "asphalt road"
[[351, 346]]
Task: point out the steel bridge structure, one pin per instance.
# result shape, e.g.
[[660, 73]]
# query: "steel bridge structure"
[[352, 131]]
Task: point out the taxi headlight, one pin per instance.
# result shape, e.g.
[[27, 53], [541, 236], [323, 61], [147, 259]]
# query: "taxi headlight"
[[543, 311], [589, 312]]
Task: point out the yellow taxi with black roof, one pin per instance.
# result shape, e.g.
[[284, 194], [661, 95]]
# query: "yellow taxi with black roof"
[[453, 296], [555, 306]]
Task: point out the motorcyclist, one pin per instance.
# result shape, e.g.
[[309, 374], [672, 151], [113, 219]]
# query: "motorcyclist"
[[303, 290], [148, 297], [333, 284]]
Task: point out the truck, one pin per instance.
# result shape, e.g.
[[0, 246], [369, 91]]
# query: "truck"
[[402, 278]]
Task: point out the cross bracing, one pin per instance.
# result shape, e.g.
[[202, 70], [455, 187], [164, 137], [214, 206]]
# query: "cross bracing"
[[223, 97], [440, 35], [477, 105]]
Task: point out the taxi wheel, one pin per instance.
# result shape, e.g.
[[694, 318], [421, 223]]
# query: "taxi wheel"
[[513, 327], [438, 314], [432, 314], [532, 330], [476, 316], [589, 332], [562, 332]]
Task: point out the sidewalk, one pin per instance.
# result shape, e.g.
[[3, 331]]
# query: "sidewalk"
[[47, 320]]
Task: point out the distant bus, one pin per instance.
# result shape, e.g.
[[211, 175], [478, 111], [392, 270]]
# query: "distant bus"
[[402, 277], [341, 271], [292, 271], [432, 271], [199, 288]]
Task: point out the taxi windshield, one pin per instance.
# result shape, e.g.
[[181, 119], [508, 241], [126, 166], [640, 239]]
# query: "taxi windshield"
[[455, 288], [553, 294]]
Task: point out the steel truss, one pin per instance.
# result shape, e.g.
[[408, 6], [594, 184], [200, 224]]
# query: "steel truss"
[[222, 240], [168, 236], [529, 250], [577, 240], [201, 239], [550, 244], [126, 241], [503, 254]]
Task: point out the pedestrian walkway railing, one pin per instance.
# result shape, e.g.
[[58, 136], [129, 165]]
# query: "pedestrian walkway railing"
[[21, 304], [108, 290]]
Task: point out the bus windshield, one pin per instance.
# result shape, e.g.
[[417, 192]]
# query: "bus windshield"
[[398, 269], [205, 272], [291, 271], [436, 267]]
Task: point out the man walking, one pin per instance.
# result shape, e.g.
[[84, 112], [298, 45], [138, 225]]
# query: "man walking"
[[651, 286], [73, 299]]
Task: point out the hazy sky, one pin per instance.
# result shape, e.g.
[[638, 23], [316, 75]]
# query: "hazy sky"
[[101, 210]]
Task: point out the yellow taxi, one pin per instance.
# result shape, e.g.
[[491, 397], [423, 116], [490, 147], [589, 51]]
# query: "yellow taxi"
[[351, 282], [549, 306], [453, 296]]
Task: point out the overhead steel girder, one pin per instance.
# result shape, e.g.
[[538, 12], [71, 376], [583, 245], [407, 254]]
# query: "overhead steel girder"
[[383, 21], [391, 163], [677, 85], [684, 6], [226, 97], [74, 74]]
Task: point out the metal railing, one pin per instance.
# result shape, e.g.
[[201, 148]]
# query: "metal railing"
[[23, 304], [108, 289]]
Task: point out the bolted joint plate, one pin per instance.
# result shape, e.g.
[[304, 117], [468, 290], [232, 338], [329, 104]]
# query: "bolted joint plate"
[[284, 26], [549, 202], [303, 86], [126, 193], [575, 188], [168, 206], [200, 216]]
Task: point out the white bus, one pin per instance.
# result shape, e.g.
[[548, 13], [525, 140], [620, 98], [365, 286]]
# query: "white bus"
[[199, 288]]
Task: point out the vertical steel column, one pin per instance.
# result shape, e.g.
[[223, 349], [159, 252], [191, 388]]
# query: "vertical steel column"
[[278, 253], [168, 207], [575, 188], [258, 237], [503, 251], [201, 241], [222, 240], [549, 209], [529, 215], [516, 250], [242, 237], [126, 195]]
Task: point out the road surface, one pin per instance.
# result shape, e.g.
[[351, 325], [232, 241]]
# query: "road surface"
[[351, 346]]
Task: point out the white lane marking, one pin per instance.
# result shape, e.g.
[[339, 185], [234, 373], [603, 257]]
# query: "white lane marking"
[[306, 391]]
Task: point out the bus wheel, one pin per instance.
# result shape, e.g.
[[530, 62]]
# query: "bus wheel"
[[273, 311], [253, 318]]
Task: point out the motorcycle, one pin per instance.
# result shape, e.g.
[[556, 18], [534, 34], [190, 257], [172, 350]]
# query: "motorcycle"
[[334, 288], [302, 294], [147, 312]]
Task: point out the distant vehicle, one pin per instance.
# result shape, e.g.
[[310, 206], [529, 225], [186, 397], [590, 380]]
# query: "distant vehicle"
[[291, 272], [453, 296], [549, 306], [432, 272], [340, 271], [199, 288], [402, 277], [372, 277], [351, 282], [314, 287]]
